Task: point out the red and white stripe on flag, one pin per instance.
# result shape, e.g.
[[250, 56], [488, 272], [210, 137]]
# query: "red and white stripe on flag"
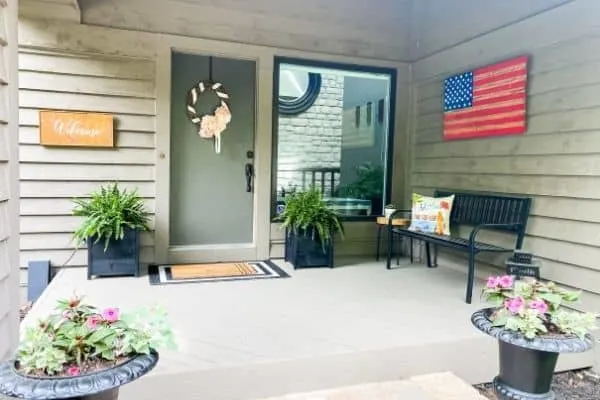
[[496, 102]]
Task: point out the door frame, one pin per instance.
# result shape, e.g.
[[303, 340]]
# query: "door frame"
[[264, 60]]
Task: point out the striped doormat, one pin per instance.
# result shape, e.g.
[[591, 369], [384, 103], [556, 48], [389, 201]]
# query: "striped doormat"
[[214, 272]]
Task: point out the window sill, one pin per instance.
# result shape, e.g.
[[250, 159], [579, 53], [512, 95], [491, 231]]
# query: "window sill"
[[356, 218]]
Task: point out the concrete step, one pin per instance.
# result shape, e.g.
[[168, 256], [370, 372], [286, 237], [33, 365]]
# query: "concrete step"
[[440, 386]]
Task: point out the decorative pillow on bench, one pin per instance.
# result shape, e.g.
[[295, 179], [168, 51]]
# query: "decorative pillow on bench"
[[431, 214]]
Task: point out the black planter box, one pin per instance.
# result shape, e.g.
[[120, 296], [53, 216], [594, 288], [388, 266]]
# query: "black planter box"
[[122, 257], [304, 250]]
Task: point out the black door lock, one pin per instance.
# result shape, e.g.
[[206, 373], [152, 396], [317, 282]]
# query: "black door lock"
[[249, 176]]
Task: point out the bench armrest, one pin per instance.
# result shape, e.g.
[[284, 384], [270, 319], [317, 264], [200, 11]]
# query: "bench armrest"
[[481, 227], [397, 212]]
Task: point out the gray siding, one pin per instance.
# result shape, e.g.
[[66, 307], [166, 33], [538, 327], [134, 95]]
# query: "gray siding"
[[9, 196], [65, 10], [368, 29], [57, 77], [556, 161]]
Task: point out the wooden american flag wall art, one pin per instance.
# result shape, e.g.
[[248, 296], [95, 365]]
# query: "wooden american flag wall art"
[[487, 101]]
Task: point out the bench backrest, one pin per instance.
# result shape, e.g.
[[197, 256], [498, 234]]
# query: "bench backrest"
[[470, 208]]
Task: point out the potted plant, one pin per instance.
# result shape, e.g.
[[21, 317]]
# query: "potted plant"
[[389, 210], [367, 186], [84, 352], [533, 327], [310, 225], [113, 219]]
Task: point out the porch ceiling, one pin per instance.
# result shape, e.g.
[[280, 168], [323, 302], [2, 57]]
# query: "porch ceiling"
[[355, 28]]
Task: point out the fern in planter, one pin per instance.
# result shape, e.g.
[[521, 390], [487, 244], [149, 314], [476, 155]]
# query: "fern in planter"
[[108, 213], [307, 212]]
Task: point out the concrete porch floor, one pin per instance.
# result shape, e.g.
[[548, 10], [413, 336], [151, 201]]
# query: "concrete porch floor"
[[320, 329]]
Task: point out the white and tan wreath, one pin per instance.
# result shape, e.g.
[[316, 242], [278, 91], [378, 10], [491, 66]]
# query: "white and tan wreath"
[[209, 125]]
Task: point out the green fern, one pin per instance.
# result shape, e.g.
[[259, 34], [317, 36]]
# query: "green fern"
[[108, 213], [307, 212]]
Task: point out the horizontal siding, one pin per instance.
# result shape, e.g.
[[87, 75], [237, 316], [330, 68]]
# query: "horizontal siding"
[[557, 161], [52, 224], [42, 100], [125, 140], [61, 241], [54, 206], [51, 177], [39, 61], [70, 189], [91, 85], [125, 123], [121, 156]]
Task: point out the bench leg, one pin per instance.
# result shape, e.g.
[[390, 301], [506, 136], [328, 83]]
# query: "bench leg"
[[412, 255], [378, 242], [435, 255], [428, 254], [470, 277], [390, 249]]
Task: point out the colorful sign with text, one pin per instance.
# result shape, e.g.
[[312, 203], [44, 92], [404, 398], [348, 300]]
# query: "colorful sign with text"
[[77, 129]]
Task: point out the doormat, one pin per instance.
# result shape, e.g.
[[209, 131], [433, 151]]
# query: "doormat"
[[215, 272]]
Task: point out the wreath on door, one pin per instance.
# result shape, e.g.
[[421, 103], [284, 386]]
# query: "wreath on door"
[[210, 125]]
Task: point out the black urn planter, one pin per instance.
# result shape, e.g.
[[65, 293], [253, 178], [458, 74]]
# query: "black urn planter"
[[122, 257], [527, 365], [305, 250], [101, 385]]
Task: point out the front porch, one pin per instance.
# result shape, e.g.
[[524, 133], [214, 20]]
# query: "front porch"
[[319, 329]]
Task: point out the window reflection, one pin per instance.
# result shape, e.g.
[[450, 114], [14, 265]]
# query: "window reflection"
[[338, 142]]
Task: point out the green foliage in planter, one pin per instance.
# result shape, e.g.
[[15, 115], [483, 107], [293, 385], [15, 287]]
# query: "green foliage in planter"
[[368, 185], [108, 213], [79, 338], [307, 211]]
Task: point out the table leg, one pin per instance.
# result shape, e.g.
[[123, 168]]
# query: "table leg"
[[378, 241]]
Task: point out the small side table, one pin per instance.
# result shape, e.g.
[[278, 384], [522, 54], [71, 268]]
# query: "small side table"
[[382, 222]]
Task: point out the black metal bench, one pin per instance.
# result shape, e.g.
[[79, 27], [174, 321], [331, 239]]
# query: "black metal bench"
[[482, 212]]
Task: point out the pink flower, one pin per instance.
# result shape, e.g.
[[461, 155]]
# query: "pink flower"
[[111, 314], [493, 282], [67, 314], [73, 371], [93, 321], [539, 305], [514, 305], [506, 281]]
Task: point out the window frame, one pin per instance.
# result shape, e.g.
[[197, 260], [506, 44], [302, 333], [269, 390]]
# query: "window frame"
[[389, 163]]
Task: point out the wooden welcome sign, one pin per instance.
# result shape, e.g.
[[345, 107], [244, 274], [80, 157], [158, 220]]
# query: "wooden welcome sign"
[[60, 128]]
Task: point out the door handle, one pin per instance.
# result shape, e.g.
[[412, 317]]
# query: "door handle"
[[249, 168]]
